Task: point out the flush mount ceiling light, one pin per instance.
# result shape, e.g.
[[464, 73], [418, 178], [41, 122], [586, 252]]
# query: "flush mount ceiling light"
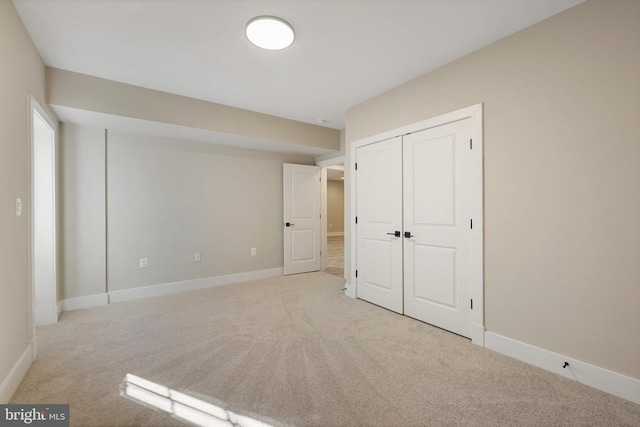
[[269, 32]]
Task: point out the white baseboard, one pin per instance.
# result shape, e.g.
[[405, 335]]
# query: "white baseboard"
[[190, 285], [10, 384], [165, 289], [335, 233], [84, 302], [594, 376]]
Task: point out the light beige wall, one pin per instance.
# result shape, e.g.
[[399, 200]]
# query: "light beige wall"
[[336, 154], [69, 89], [21, 73], [335, 206], [83, 210], [562, 176], [166, 200]]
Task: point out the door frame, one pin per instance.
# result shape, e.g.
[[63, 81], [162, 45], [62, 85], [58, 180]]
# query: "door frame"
[[35, 108], [475, 113]]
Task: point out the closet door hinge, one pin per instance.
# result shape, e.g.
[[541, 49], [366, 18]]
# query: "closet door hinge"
[[471, 144], [356, 273], [356, 220], [356, 166], [472, 223], [471, 303]]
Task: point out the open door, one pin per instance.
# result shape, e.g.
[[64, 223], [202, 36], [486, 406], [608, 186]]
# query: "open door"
[[302, 239]]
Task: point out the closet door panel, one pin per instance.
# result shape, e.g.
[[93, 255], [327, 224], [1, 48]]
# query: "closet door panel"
[[379, 213], [437, 220]]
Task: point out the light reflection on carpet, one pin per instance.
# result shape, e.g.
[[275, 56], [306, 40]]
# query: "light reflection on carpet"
[[182, 405]]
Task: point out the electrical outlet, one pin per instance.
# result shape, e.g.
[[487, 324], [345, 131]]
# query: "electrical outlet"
[[196, 257], [143, 263], [253, 251]]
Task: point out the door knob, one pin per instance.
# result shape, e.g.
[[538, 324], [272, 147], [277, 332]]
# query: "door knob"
[[408, 235], [395, 233], [288, 224]]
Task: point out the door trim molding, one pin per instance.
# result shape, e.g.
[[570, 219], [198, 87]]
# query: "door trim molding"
[[473, 112], [34, 106]]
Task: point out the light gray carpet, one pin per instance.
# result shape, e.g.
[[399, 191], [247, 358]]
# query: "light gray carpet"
[[295, 351]]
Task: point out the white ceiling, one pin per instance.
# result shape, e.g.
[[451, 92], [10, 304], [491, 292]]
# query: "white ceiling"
[[345, 52]]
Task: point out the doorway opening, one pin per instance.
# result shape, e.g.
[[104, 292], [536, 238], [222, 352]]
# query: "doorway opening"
[[43, 216], [335, 220]]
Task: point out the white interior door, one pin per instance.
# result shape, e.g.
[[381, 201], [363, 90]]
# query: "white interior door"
[[437, 215], [302, 240], [379, 216]]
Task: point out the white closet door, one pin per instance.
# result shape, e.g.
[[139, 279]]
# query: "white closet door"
[[379, 213], [437, 217]]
